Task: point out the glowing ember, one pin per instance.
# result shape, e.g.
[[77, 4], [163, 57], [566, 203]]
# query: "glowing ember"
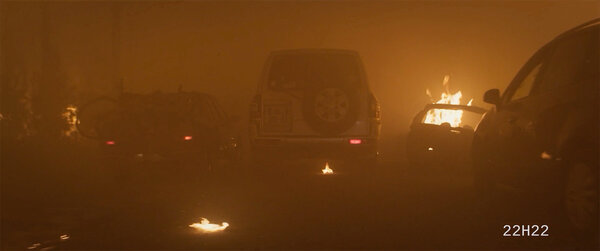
[[327, 170], [440, 116], [545, 155], [34, 246], [64, 237], [207, 227], [70, 115]]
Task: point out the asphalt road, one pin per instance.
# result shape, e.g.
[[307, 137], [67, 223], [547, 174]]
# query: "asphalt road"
[[285, 205]]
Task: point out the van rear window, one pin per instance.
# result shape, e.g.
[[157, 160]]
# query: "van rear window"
[[298, 71]]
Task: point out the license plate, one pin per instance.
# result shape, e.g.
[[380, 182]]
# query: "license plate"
[[277, 118]]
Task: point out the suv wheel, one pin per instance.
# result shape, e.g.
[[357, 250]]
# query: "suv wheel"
[[331, 110]]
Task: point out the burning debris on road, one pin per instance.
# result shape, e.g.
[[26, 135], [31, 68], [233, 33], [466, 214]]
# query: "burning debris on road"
[[327, 170], [207, 227], [64, 237]]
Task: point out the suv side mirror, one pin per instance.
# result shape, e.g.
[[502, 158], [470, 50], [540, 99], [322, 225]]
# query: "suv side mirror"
[[492, 96]]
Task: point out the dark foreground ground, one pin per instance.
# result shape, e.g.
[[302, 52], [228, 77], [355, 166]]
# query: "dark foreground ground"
[[289, 205]]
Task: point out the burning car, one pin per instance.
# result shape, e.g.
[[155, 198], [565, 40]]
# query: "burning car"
[[178, 126], [442, 134]]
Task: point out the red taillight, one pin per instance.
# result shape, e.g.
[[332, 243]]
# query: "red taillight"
[[355, 141], [110, 142], [187, 138]]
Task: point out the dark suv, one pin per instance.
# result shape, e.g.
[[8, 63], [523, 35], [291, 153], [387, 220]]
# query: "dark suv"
[[541, 138], [186, 126]]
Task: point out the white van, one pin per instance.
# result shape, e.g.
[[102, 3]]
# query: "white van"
[[314, 103]]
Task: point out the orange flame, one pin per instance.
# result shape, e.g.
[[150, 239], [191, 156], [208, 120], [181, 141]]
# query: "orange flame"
[[207, 227], [440, 116], [327, 170], [70, 116]]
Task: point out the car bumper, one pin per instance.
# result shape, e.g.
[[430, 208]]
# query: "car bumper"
[[174, 151], [431, 147], [316, 147]]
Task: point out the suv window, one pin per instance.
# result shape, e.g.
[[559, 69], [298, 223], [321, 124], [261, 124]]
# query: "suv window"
[[574, 58], [297, 71]]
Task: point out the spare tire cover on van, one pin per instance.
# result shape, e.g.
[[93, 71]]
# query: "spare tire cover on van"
[[331, 109]]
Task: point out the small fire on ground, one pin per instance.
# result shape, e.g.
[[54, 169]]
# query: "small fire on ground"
[[207, 227], [327, 170]]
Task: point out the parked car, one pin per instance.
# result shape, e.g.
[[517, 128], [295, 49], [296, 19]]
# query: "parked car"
[[541, 138], [315, 103], [183, 126], [430, 143]]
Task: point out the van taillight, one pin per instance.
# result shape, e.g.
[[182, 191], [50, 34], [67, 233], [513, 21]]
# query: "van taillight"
[[374, 108], [255, 107]]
